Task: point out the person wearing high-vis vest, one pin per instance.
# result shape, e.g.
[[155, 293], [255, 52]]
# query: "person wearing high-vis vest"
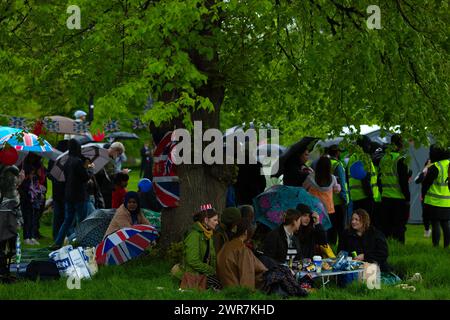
[[395, 196], [436, 195], [340, 199], [363, 193]]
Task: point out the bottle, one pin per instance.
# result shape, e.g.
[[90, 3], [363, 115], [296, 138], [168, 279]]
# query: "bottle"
[[18, 253]]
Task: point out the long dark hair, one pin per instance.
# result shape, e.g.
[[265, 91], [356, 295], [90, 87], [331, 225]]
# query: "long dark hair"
[[323, 172], [304, 231]]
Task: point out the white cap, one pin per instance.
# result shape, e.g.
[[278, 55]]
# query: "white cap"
[[79, 113]]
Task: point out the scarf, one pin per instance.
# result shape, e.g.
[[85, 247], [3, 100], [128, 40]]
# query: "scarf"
[[208, 233]]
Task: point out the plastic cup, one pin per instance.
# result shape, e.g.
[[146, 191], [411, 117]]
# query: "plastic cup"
[[318, 263]]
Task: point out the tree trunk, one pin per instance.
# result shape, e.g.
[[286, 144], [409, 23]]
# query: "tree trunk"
[[199, 184]]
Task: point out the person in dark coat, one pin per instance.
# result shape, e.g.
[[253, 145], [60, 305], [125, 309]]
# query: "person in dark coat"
[[369, 243], [281, 244], [311, 232], [76, 195], [296, 171], [57, 193], [146, 162], [250, 182]]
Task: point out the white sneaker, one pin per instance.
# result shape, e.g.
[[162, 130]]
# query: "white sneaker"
[[28, 241], [427, 233], [35, 242]]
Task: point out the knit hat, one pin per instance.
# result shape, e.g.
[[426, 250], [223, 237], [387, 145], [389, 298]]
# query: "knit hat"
[[231, 215]]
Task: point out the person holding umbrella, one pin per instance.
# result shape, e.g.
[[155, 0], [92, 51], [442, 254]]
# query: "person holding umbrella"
[[76, 196], [292, 164]]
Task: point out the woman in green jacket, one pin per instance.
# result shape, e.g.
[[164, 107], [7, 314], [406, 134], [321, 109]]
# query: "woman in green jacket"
[[199, 252]]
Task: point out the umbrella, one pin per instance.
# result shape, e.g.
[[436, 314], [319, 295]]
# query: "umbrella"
[[84, 139], [269, 151], [24, 141], [330, 142], [90, 231], [59, 124], [294, 150], [125, 244], [121, 135], [272, 203], [99, 156]]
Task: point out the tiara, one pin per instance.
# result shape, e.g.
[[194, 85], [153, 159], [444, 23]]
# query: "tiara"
[[205, 207]]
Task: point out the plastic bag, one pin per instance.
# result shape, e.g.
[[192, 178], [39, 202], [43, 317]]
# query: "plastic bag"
[[71, 262]]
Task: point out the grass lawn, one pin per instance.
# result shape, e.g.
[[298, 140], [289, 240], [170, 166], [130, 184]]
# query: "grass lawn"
[[148, 277]]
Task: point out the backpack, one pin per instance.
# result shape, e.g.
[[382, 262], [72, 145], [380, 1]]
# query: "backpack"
[[43, 270]]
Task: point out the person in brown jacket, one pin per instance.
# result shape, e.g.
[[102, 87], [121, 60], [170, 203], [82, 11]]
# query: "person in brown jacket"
[[128, 214], [236, 264]]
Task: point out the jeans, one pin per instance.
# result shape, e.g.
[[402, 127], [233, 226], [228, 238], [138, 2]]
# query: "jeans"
[[73, 210], [58, 217], [90, 207], [31, 219]]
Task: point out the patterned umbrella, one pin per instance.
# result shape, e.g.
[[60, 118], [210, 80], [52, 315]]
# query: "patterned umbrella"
[[90, 231], [271, 204], [125, 244], [24, 141], [99, 156], [59, 124]]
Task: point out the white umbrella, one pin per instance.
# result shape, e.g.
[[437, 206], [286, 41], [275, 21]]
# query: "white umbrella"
[[98, 156]]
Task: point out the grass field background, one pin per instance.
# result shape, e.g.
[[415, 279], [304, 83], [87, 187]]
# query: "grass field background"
[[149, 277]]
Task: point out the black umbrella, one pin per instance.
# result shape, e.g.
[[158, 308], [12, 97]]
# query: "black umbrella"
[[330, 142], [294, 151], [121, 135], [91, 230]]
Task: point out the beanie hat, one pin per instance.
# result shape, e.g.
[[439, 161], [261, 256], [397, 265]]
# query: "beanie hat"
[[231, 215]]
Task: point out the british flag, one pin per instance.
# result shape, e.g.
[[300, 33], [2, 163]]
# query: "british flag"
[[125, 244], [165, 180]]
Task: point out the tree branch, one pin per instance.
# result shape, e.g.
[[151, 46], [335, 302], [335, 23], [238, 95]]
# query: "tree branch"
[[402, 13]]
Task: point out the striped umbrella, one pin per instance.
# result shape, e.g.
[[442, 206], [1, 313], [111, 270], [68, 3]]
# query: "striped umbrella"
[[24, 141], [125, 244]]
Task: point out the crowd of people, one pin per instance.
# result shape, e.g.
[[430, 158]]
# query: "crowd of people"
[[364, 211], [228, 248], [81, 193]]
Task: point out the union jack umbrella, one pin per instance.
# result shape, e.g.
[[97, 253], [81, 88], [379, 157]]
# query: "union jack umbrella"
[[125, 244], [165, 180], [23, 141]]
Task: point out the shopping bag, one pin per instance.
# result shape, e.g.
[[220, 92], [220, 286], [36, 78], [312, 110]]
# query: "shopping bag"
[[71, 262]]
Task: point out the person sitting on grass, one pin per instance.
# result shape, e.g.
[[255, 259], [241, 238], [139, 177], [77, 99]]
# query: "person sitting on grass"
[[281, 244], [199, 252], [120, 184], [311, 232], [223, 232], [127, 215], [236, 264], [369, 243]]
